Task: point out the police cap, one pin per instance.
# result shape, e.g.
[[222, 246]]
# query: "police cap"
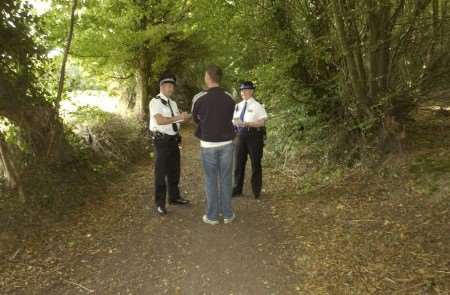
[[247, 85], [167, 79]]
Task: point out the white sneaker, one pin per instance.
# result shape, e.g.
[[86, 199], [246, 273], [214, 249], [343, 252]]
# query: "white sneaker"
[[209, 221], [229, 220]]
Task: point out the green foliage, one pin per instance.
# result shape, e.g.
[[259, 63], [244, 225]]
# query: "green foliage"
[[293, 50], [78, 78], [111, 34], [22, 64], [19, 149], [12, 134], [21, 53], [107, 140], [115, 40]]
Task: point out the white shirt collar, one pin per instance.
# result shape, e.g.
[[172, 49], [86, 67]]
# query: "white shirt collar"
[[250, 100], [163, 96]]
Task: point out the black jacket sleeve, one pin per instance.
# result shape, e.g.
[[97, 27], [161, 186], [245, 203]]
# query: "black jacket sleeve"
[[196, 112]]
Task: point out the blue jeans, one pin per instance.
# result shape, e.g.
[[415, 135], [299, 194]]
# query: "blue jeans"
[[218, 166]]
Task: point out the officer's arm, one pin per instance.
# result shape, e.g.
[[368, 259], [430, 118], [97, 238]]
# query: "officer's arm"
[[161, 120]]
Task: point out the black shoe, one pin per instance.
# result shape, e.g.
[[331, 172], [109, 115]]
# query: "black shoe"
[[179, 201], [256, 196], [236, 194], [161, 210]]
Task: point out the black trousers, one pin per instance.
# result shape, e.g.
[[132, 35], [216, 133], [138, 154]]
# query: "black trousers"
[[250, 143], [167, 169]]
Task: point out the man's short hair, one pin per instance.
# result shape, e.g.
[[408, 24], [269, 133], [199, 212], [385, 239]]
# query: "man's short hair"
[[214, 72]]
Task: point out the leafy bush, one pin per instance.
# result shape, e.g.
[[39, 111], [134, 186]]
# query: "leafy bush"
[[108, 140], [19, 151], [103, 145]]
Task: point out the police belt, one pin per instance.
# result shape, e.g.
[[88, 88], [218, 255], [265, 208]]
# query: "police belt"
[[163, 136], [252, 130]]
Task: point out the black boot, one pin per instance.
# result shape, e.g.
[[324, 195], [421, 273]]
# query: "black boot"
[[236, 192]]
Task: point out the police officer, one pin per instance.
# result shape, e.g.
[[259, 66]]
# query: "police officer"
[[165, 122], [249, 119]]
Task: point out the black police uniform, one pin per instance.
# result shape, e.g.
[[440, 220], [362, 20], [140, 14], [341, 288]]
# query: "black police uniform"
[[250, 143], [166, 140]]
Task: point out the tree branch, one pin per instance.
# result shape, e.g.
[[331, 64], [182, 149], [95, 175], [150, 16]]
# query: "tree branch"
[[66, 53]]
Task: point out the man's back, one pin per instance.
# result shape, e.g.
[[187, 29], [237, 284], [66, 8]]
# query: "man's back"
[[213, 112]]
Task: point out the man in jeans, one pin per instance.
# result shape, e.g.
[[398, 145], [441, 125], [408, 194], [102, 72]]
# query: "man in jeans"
[[213, 112]]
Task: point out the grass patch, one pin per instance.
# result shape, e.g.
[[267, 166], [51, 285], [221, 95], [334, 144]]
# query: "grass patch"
[[430, 166]]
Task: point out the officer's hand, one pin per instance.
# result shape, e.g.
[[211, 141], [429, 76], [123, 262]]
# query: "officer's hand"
[[184, 116], [238, 123]]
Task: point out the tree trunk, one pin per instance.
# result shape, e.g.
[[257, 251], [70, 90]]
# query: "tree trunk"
[[435, 40], [142, 95], [356, 81], [43, 128], [12, 176], [378, 20], [47, 134], [66, 54], [127, 99]]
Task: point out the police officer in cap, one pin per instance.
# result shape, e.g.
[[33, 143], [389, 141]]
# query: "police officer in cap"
[[249, 119], [165, 122]]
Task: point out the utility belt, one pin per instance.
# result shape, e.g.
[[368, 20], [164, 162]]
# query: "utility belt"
[[163, 137], [253, 130]]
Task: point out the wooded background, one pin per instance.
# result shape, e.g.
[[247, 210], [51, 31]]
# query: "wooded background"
[[340, 78]]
